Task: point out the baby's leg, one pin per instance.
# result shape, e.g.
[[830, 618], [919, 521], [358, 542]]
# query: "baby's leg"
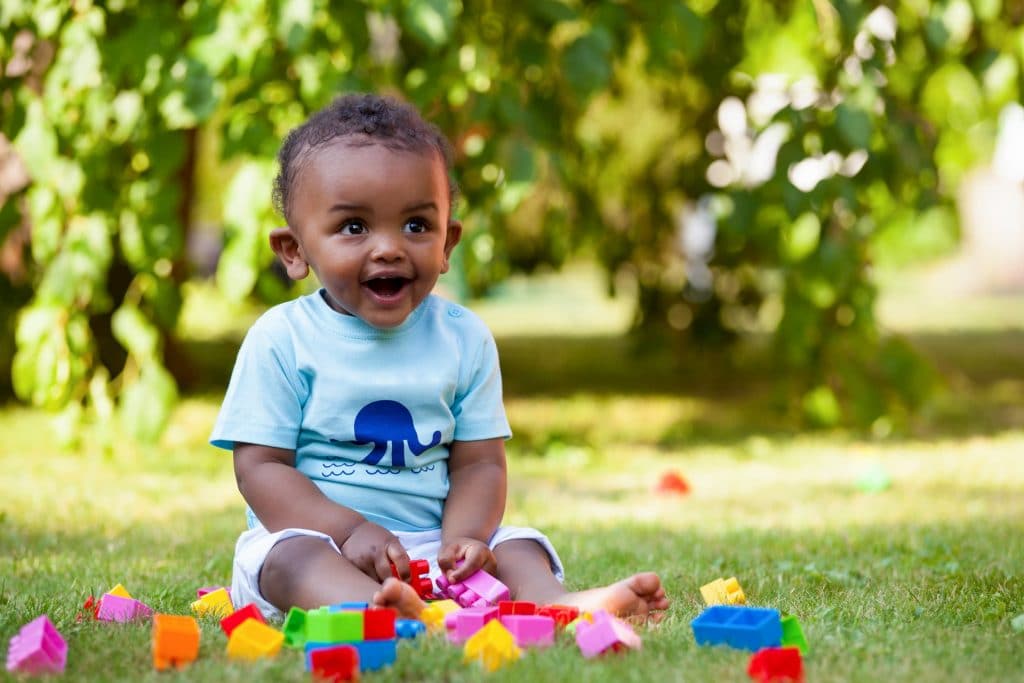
[[306, 572], [524, 567]]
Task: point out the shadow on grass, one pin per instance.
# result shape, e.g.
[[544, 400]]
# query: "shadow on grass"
[[983, 393]]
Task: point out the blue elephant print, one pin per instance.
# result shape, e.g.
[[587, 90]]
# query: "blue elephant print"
[[389, 422]]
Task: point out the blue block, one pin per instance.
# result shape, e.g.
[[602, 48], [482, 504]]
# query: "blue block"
[[409, 628], [373, 654], [744, 628], [347, 606]]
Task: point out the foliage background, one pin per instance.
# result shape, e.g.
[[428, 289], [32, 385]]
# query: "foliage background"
[[592, 129]]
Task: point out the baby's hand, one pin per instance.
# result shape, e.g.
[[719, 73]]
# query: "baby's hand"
[[475, 555], [372, 549]]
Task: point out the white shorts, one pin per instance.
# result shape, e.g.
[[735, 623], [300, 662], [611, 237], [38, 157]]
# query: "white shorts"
[[254, 545]]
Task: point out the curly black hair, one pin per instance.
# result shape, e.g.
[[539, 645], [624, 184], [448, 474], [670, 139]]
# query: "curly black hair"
[[370, 120]]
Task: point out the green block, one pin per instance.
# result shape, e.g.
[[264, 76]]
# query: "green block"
[[334, 627], [793, 635], [295, 628]]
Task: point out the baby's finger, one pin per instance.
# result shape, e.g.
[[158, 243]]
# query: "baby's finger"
[[447, 556], [399, 560], [476, 558]]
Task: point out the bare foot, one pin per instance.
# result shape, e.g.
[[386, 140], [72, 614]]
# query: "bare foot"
[[399, 595], [639, 597]]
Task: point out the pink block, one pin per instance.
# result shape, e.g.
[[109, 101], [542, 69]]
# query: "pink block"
[[37, 648], [606, 633], [465, 622], [200, 592], [530, 630], [116, 608], [478, 589]]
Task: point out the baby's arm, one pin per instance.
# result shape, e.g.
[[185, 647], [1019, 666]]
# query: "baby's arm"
[[477, 475], [282, 498]]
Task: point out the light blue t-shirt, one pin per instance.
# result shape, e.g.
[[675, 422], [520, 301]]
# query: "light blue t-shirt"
[[370, 413]]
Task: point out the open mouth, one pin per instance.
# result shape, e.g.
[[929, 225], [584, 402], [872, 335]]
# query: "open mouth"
[[387, 286]]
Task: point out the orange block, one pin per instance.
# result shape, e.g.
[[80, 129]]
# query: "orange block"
[[175, 641]]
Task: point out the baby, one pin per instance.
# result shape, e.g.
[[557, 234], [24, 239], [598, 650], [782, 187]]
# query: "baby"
[[366, 419]]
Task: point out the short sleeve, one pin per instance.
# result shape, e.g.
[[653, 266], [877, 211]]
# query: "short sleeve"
[[263, 403], [478, 409]]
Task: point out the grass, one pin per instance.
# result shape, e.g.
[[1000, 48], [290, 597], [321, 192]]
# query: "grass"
[[918, 582]]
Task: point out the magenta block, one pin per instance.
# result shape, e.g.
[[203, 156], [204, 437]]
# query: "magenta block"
[[530, 630], [200, 592], [606, 633], [37, 648], [478, 590], [465, 622], [116, 608]]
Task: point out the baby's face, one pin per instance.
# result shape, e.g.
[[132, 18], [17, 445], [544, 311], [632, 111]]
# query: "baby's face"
[[373, 224]]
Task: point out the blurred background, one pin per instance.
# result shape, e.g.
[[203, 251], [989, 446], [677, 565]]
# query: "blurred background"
[[781, 215]]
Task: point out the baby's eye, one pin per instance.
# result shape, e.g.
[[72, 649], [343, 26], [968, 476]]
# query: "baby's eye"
[[353, 228], [416, 225]]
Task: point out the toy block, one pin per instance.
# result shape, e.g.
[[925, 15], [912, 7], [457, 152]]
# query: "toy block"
[[492, 646], [236, 618], [507, 607], [477, 590], [419, 578], [433, 615], [723, 592], [793, 634], [37, 648], [116, 608], [379, 623], [294, 627], [373, 654], [349, 606], [91, 606], [334, 627], [465, 622], [744, 628], [570, 628], [776, 664], [253, 639], [200, 592], [175, 641], [562, 614], [530, 629], [216, 603], [674, 483], [336, 663], [120, 591], [408, 629], [605, 634]]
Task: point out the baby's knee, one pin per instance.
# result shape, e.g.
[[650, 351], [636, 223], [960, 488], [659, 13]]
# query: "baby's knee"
[[281, 573]]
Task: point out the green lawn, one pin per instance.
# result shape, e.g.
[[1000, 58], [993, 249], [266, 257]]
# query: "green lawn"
[[917, 583]]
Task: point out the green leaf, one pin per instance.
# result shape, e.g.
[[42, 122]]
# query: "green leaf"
[[145, 405], [431, 22], [854, 125], [294, 23], [821, 407], [37, 141], [192, 95], [587, 64], [800, 238], [952, 97], [135, 332]]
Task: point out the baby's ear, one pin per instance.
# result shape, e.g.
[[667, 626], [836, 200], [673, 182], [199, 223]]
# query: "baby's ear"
[[451, 238], [288, 249]]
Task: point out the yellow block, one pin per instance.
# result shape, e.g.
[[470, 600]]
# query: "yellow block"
[[723, 592], [215, 603], [434, 613], [120, 591], [253, 639], [492, 646]]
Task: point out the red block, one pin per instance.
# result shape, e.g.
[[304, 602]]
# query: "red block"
[[510, 607], [774, 664], [235, 619], [420, 583], [562, 614], [379, 623], [338, 663], [673, 482]]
